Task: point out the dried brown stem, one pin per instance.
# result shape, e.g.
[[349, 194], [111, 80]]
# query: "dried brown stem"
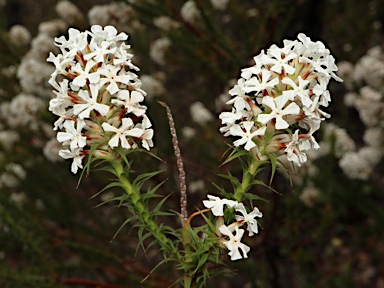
[[180, 166]]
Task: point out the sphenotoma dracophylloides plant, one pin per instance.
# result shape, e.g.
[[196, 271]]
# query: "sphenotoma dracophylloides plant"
[[276, 109]]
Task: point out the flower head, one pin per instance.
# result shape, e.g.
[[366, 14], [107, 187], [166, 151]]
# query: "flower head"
[[285, 89], [98, 97]]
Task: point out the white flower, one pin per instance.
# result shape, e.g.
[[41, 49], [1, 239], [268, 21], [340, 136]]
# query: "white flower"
[[75, 155], [126, 129], [76, 42], [57, 105], [99, 52], [294, 152], [130, 100], [278, 61], [73, 135], [146, 138], [299, 91], [234, 244], [278, 111], [113, 75], [84, 74], [83, 110], [216, 204], [260, 83], [248, 218], [108, 33], [246, 134]]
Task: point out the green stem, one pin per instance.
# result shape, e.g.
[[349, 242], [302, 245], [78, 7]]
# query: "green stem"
[[189, 281], [142, 211], [248, 176]]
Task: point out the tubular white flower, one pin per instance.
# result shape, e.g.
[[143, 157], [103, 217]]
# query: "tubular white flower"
[[126, 129], [130, 100], [234, 244], [76, 156], [247, 135], [248, 218], [277, 105], [216, 204], [73, 135], [91, 103]]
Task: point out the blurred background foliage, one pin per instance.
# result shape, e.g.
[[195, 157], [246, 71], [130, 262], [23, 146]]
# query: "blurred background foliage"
[[51, 234]]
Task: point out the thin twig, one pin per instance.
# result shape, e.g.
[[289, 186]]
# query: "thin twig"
[[180, 166]]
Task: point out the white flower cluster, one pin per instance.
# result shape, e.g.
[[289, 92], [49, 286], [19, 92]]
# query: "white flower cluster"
[[365, 80], [97, 96], [234, 244], [276, 102]]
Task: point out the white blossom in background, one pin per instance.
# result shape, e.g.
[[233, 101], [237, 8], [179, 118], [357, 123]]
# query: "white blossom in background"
[[117, 14], [19, 198], [189, 11], [153, 84], [374, 137], [19, 35], [158, 49], [12, 175], [8, 138], [196, 186], [309, 195], [370, 68], [165, 23], [51, 150], [52, 27], [200, 114], [346, 72], [339, 138], [370, 106], [69, 12], [98, 95], [277, 102], [365, 84], [23, 111], [219, 4], [355, 166], [188, 132]]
